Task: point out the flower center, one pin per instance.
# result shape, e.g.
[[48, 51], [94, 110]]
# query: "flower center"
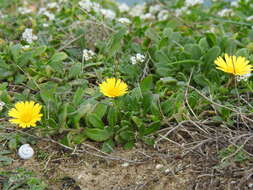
[[114, 92], [26, 117]]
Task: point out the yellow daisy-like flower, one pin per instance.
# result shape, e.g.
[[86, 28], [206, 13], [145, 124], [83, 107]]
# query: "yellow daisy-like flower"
[[235, 65], [25, 114], [113, 87]]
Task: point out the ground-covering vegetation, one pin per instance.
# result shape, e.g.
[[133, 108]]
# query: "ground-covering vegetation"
[[178, 71]]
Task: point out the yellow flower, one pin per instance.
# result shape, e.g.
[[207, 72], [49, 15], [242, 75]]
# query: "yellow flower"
[[113, 87], [25, 114], [235, 65]]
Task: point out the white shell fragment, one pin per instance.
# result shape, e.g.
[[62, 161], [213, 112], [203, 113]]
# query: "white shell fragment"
[[25, 151]]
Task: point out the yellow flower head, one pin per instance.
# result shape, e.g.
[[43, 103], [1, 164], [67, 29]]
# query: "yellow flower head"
[[113, 87], [235, 65], [25, 114]]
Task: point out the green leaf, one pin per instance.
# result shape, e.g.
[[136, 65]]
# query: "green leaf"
[[108, 146], [127, 135], [153, 127], [128, 145], [147, 83], [79, 138], [100, 110], [115, 43], [95, 121], [211, 39], [97, 134], [78, 96], [212, 54], [112, 116], [47, 92], [58, 57]]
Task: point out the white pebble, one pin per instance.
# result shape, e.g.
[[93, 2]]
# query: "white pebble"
[[125, 164], [25, 151], [159, 166]]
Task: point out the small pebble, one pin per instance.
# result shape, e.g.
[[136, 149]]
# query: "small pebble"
[[250, 185], [125, 164], [167, 171], [159, 166]]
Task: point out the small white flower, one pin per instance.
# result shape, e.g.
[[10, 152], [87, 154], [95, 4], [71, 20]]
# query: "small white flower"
[[155, 8], [163, 15], [49, 15], [226, 12], [147, 16], [234, 4], [88, 54], [2, 104], [138, 58], [25, 47], [190, 3], [107, 13], [42, 10], [86, 4], [25, 151], [250, 18], [124, 20], [53, 5], [28, 35], [133, 60], [1, 15], [89, 5], [137, 10], [123, 7], [45, 25], [180, 11], [24, 10], [243, 77]]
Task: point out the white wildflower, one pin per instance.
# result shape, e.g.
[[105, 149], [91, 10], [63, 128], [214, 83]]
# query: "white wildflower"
[[234, 4], [24, 10], [250, 18], [155, 8], [1, 15], [180, 11], [123, 7], [28, 35], [53, 5], [124, 20], [2, 104], [45, 25], [147, 16], [25, 47], [86, 4], [107, 13], [88, 54], [96, 7], [163, 15], [42, 10], [89, 5], [243, 77], [226, 12], [190, 3], [49, 15], [137, 10], [138, 58]]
